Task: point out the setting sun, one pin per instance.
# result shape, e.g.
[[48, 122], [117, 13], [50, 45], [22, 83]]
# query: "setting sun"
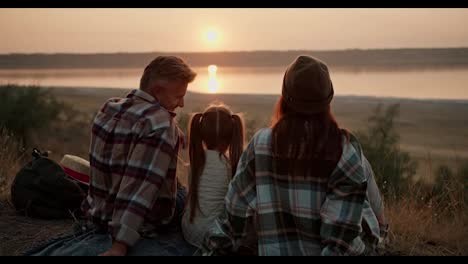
[[212, 36]]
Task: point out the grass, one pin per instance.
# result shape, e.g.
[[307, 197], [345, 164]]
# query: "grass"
[[10, 161], [418, 228], [433, 133]]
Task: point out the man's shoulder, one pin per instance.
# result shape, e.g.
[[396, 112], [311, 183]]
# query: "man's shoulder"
[[145, 116], [156, 118], [156, 121]]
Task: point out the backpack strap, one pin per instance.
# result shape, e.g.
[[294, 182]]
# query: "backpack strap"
[[36, 153]]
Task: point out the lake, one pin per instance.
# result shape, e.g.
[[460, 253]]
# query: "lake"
[[416, 84]]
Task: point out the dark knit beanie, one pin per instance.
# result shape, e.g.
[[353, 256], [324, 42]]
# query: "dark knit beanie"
[[307, 87]]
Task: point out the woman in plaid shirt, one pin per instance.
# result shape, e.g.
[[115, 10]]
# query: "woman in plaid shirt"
[[302, 186]]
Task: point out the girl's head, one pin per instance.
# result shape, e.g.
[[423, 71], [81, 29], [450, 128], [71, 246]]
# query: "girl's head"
[[217, 128]]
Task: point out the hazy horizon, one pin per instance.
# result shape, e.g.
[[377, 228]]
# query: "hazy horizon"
[[232, 51], [105, 30]]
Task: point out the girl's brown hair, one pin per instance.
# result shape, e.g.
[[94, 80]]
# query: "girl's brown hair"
[[306, 140], [217, 128]]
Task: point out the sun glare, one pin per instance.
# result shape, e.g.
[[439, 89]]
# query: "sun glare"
[[212, 69], [212, 36], [213, 84]]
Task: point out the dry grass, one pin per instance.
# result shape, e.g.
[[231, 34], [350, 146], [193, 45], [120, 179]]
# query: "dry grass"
[[424, 227], [10, 160]]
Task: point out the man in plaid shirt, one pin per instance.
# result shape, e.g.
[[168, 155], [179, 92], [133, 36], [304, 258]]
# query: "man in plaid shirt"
[[133, 155], [329, 206]]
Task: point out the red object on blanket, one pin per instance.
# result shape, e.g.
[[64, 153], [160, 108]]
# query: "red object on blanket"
[[76, 168]]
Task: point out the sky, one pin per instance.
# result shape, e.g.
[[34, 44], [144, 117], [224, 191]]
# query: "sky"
[[101, 30]]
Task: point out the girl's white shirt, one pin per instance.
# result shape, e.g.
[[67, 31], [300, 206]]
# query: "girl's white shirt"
[[212, 190]]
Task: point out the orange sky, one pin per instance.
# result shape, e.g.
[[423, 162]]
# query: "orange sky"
[[143, 30]]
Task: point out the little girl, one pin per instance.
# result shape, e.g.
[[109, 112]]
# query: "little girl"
[[216, 140]]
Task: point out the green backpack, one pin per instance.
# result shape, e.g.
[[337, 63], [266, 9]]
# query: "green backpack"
[[42, 190]]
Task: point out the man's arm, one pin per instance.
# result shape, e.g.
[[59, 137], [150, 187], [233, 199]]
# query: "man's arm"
[[144, 174]]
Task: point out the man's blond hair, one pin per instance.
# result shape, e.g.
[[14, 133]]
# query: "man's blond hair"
[[166, 68]]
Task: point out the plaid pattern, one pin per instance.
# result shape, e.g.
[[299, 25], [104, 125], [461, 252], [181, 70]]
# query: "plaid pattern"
[[133, 158], [295, 215]]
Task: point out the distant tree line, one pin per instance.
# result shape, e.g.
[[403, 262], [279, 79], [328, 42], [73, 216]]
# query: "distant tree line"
[[352, 58]]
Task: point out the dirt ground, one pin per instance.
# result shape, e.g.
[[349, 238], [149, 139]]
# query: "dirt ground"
[[20, 233]]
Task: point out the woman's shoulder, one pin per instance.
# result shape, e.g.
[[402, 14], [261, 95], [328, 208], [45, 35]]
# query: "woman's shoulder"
[[351, 160], [351, 144], [262, 136]]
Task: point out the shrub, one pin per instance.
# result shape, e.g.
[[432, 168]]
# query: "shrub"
[[10, 159], [393, 167], [449, 190], [463, 177], [24, 109]]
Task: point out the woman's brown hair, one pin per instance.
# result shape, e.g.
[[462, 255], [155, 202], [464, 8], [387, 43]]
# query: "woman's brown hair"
[[304, 139], [217, 128]]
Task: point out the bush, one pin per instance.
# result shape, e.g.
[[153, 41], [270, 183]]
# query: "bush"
[[24, 109], [463, 176], [444, 177], [393, 167], [11, 152], [449, 190], [252, 125]]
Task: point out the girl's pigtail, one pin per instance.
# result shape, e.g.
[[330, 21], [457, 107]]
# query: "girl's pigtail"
[[237, 142], [197, 162]]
